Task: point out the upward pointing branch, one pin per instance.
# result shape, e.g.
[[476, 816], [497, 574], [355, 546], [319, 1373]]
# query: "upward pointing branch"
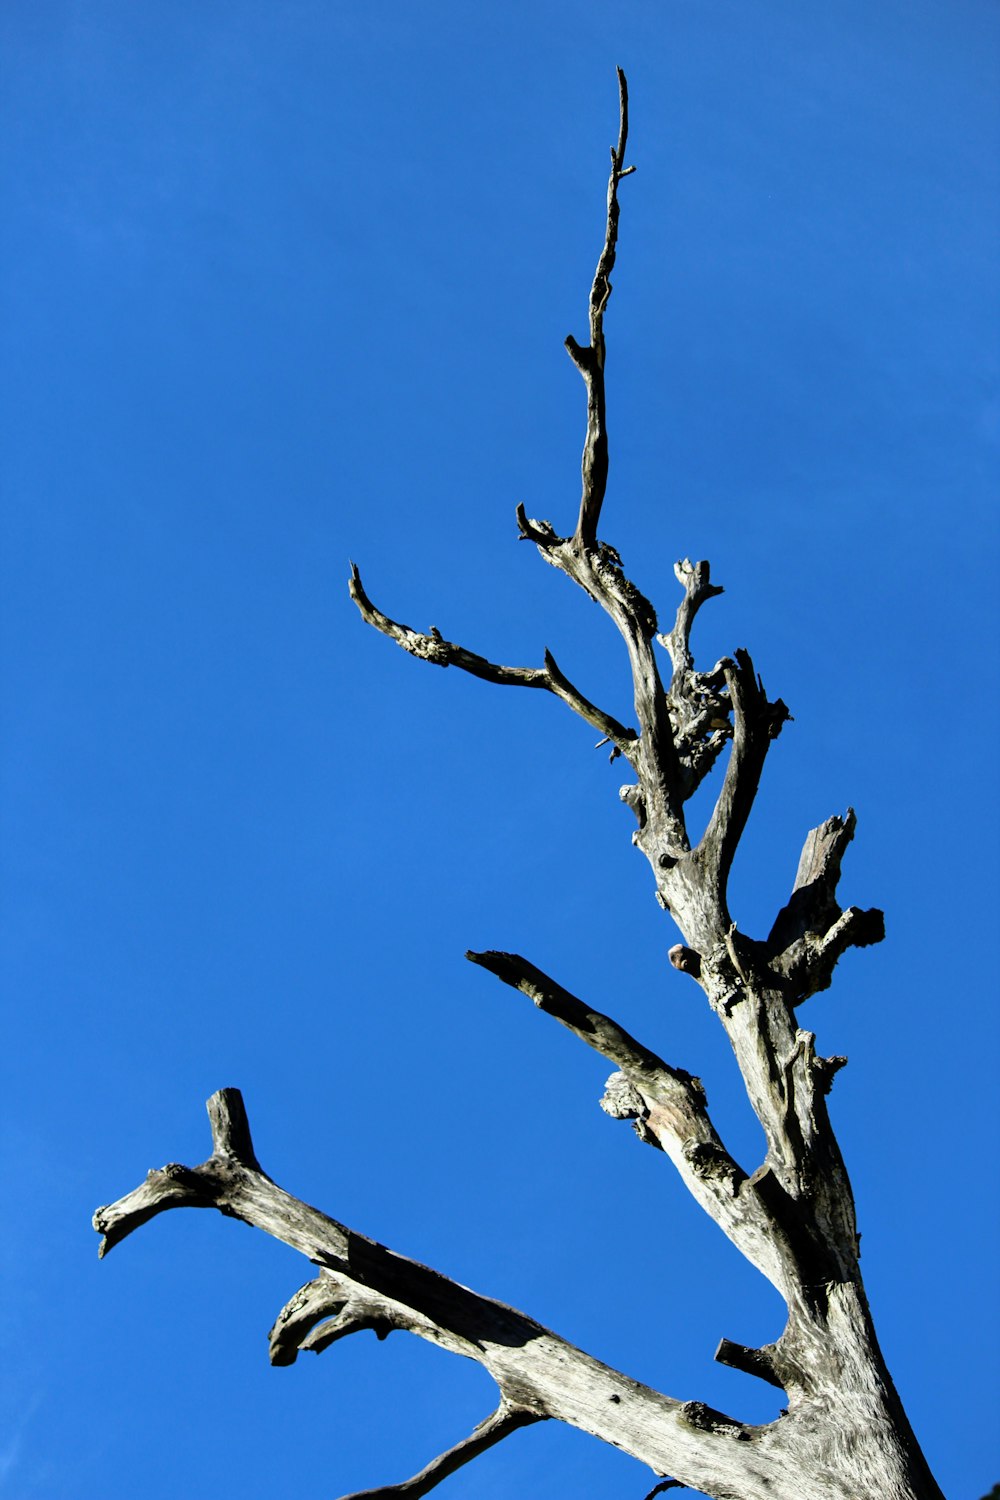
[[590, 361]]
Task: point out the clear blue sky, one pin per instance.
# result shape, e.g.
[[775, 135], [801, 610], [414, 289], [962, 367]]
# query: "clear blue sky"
[[285, 284]]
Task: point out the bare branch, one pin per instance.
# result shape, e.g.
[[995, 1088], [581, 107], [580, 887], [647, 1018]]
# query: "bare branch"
[[542, 533], [321, 1312], [434, 648], [231, 1129], [172, 1186], [505, 1420], [759, 1362], [176, 1186], [590, 360], [811, 932], [757, 723], [695, 578], [854, 928], [597, 567], [649, 1079], [539, 1374], [598, 1031], [598, 571], [698, 702], [812, 906], [670, 1110], [623, 739]]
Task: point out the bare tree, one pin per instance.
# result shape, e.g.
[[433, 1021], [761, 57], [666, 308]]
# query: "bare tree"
[[844, 1433]]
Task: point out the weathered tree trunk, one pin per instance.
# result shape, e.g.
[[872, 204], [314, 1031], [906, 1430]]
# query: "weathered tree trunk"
[[844, 1434]]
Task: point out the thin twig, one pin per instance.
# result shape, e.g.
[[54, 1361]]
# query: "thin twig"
[[505, 1420]]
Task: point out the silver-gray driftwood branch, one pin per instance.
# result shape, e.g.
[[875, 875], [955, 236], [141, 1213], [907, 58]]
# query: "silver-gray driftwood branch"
[[844, 1434]]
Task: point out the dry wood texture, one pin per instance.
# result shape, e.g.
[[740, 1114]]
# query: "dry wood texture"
[[844, 1434]]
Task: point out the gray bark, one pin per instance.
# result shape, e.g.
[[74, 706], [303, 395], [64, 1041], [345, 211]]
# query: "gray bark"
[[844, 1434]]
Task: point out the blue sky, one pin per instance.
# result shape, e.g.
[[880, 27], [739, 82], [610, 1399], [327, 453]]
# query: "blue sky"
[[285, 285]]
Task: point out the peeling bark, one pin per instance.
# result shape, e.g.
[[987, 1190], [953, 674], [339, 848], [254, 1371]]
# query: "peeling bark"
[[844, 1434]]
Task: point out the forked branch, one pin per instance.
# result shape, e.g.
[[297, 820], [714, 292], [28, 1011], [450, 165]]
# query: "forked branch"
[[434, 648], [696, 581], [363, 1285], [321, 1312]]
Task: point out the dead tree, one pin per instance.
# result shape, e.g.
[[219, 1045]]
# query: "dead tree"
[[844, 1433]]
